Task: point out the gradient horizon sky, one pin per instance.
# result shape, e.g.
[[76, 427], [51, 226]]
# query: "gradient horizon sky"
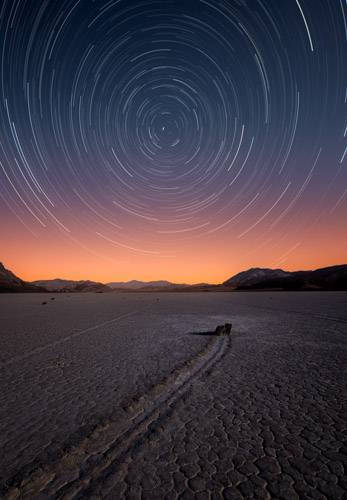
[[179, 140]]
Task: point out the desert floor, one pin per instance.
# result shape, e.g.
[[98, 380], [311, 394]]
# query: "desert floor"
[[130, 396]]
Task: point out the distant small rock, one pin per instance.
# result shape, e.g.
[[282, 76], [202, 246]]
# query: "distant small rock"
[[223, 329], [44, 303]]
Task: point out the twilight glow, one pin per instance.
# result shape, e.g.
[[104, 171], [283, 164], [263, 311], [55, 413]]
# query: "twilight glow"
[[184, 140]]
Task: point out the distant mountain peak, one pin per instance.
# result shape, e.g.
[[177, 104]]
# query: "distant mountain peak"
[[254, 275], [9, 282], [62, 285], [137, 285], [327, 278]]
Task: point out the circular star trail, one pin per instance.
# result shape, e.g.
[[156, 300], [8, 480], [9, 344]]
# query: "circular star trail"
[[143, 122]]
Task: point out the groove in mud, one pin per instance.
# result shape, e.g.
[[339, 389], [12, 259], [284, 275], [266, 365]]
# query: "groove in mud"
[[68, 338], [77, 469]]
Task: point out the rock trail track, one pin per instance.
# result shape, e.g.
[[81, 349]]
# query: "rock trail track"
[[55, 343], [133, 406], [73, 473]]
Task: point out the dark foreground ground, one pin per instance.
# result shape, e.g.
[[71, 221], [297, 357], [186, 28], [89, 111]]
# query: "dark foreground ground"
[[128, 396]]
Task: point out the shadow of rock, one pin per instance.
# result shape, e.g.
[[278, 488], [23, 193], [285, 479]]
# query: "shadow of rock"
[[220, 330], [202, 333]]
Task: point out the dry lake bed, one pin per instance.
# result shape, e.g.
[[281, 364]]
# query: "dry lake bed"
[[130, 396]]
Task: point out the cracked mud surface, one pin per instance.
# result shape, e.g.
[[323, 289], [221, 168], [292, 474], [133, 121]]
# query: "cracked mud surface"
[[112, 396]]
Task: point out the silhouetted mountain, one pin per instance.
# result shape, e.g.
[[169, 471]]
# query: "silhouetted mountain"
[[59, 285], [328, 278], [255, 275], [9, 282], [164, 286], [137, 285]]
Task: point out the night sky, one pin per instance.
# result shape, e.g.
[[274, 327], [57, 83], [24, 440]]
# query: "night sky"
[[185, 140]]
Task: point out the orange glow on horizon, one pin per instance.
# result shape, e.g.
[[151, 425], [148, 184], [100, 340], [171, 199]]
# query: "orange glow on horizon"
[[210, 259]]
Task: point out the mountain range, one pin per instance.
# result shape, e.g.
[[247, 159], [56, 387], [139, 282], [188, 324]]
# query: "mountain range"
[[9, 282], [136, 285], [59, 285], [328, 278]]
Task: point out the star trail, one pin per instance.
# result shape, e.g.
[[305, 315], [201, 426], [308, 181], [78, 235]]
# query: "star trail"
[[176, 139]]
